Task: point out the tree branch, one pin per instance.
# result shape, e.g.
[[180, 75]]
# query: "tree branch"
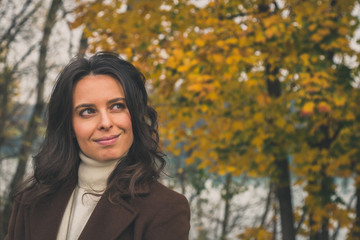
[[10, 35], [267, 205]]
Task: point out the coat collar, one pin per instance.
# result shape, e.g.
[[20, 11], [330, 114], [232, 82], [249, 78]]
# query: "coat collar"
[[140, 190], [107, 221]]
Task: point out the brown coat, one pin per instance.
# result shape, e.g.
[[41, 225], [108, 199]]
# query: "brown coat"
[[157, 213]]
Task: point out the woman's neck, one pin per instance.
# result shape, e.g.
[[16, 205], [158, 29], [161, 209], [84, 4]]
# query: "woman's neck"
[[93, 174]]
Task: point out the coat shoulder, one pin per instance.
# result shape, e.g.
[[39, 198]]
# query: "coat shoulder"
[[160, 196], [164, 212], [158, 190]]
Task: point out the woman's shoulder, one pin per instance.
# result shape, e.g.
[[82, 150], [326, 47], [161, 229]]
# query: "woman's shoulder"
[[23, 197], [159, 190], [34, 195], [157, 194], [162, 212], [162, 202]]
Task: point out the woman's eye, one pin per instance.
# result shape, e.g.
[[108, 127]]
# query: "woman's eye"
[[118, 106], [86, 112]]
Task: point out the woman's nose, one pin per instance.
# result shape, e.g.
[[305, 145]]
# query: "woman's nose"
[[105, 121]]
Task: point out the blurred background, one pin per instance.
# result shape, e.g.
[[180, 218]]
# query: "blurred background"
[[258, 103]]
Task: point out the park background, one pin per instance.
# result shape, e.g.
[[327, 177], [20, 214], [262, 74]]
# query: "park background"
[[258, 103]]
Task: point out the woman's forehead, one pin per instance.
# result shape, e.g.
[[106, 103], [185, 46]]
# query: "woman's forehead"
[[93, 87]]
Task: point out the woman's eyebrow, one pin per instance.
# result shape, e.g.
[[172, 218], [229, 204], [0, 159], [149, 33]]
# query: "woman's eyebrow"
[[83, 106], [86, 105], [116, 100]]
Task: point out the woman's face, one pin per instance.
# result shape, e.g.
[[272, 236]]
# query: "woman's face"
[[101, 119]]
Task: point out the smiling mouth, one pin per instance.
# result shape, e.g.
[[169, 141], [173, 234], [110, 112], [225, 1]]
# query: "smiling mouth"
[[109, 140]]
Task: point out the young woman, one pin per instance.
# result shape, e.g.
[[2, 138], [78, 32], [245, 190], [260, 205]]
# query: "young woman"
[[95, 176]]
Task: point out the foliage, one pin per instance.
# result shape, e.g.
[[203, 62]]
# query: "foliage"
[[256, 233], [244, 82]]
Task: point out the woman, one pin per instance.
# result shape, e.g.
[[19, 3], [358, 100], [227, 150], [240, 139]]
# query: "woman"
[[95, 176]]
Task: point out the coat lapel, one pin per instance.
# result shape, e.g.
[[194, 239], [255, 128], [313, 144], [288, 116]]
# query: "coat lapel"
[[108, 220], [46, 216]]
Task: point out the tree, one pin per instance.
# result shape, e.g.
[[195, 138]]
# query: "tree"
[[247, 85], [13, 28], [34, 121]]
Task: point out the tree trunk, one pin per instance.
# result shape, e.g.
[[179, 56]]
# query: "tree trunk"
[[267, 205], [8, 36], [356, 226], [275, 222], [83, 44], [326, 185], [283, 193], [324, 229], [314, 235], [35, 118], [201, 234], [227, 197], [324, 197], [5, 80], [282, 178]]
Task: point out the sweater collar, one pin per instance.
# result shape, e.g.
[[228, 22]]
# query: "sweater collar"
[[93, 174]]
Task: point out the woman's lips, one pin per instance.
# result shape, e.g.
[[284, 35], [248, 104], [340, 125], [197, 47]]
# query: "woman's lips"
[[108, 140]]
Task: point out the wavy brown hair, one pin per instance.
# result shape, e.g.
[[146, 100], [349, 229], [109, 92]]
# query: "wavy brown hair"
[[58, 159]]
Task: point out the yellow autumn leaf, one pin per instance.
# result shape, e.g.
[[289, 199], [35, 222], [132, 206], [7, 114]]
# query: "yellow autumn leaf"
[[212, 96], [308, 109], [342, 31], [128, 52], [259, 37], [280, 122], [264, 235], [289, 128], [312, 27], [232, 40], [176, 151], [258, 117], [204, 108], [316, 37], [350, 116], [222, 171], [183, 68], [221, 43], [211, 21], [231, 169], [258, 141], [200, 42], [305, 59], [272, 31], [178, 53], [204, 164], [324, 107], [196, 87], [190, 160], [238, 126], [218, 59], [323, 31], [262, 99], [339, 101], [171, 62], [271, 20]]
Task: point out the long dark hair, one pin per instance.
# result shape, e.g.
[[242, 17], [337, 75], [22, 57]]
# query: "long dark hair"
[[58, 159]]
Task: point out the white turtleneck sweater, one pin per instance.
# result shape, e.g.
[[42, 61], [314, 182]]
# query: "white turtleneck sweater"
[[93, 176]]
